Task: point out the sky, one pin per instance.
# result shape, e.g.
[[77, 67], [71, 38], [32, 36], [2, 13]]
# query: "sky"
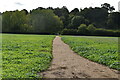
[[10, 5]]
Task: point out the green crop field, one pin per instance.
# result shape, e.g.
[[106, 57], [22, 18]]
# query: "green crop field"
[[103, 50], [25, 55]]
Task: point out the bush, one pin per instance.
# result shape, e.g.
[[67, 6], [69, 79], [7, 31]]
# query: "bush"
[[91, 28], [105, 32], [69, 32], [117, 33], [76, 21], [82, 29]]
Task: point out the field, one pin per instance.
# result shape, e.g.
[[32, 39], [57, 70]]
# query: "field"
[[0, 55], [25, 55], [103, 50]]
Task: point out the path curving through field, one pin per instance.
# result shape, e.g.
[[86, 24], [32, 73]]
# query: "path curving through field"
[[67, 64]]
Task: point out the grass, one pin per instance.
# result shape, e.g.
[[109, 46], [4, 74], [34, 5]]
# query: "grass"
[[25, 55], [0, 56], [103, 50]]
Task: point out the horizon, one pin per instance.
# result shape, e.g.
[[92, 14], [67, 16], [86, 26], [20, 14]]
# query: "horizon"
[[21, 4]]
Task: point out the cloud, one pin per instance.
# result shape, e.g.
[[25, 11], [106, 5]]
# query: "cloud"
[[32, 4], [18, 3]]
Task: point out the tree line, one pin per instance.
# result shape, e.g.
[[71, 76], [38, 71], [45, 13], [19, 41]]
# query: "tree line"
[[101, 21]]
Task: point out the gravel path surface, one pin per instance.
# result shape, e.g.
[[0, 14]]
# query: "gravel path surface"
[[67, 64]]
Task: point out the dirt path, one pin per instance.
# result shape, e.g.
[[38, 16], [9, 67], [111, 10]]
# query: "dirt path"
[[67, 64]]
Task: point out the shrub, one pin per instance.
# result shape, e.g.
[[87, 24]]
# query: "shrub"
[[117, 33], [105, 32], [91, 28], [82, 29], [69, 31]]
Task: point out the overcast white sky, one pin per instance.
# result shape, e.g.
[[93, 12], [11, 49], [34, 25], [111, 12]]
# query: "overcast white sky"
[[70, 4]]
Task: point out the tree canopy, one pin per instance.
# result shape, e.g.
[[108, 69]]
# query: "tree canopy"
[[87, 21]]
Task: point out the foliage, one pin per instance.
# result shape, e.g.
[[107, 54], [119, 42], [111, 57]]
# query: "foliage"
[[91, 27], [69, 32], [45, 21], [108, 7], [105, 32], [75, 11], [82, 29], [54, 20], [113, 21], [63, 14], [76, 21], [103, 50], [96, 15], [0, 23], [15, 21], [25, 55]]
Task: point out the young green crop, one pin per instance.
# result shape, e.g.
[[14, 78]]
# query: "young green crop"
[[103, 50], [25, 55]]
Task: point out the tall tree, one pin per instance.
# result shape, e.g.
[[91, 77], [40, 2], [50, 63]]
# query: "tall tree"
[[63, 13], [113, 20], [75, 11], [108, 7], [76, 21], [0, 22], [45, 21], [97, 16], [15, 21]]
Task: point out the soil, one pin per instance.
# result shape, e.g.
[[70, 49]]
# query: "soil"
[[67, 64]]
